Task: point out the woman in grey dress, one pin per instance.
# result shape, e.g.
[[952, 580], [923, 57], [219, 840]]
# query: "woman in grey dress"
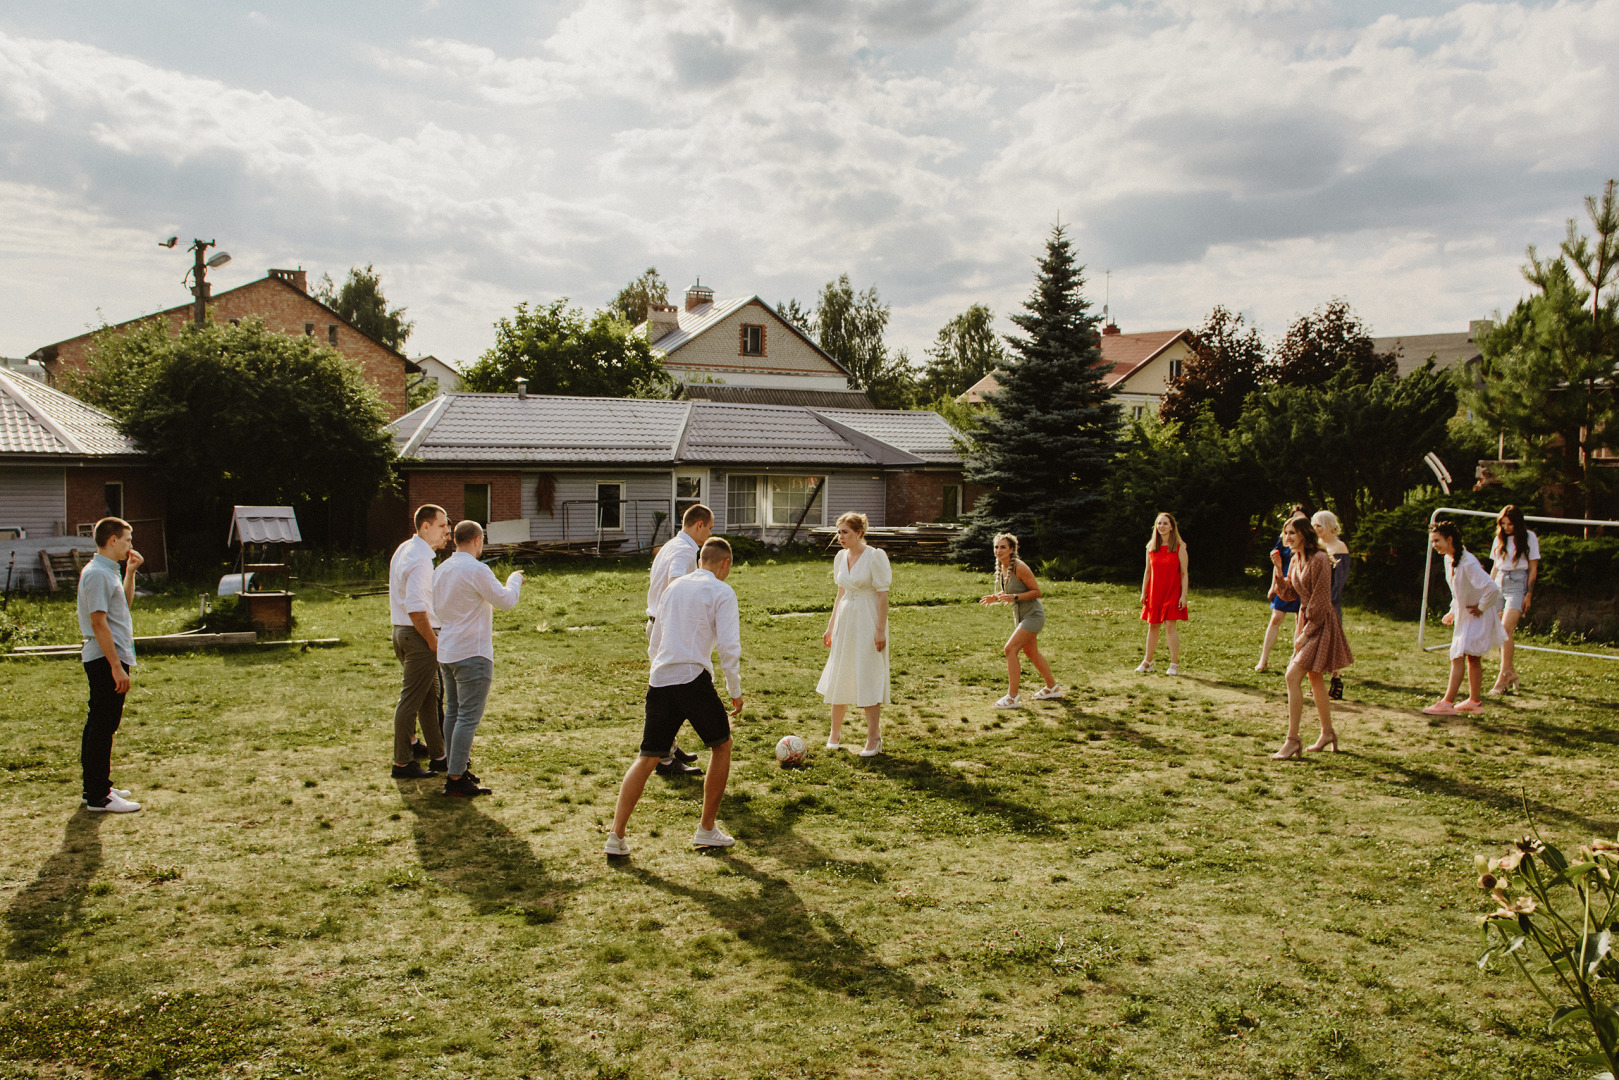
[[1015, 585]]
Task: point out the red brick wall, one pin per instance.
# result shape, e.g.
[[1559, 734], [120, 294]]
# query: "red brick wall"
[[143, 507], [286, 310], [919, 496], [448, 489]]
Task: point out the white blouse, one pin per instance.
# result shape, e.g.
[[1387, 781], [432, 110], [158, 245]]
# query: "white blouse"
[[1498, 554]]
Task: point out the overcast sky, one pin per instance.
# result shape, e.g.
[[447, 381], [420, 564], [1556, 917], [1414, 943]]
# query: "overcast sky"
[[1263, 154]]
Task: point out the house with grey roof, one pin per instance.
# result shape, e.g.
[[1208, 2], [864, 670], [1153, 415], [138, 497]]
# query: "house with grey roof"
[[549, 468], [63, 466], [741, 350]]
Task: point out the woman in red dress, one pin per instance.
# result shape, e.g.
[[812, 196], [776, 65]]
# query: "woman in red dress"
[[1163, 591]]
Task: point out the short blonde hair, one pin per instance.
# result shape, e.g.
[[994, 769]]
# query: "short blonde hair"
[[854, 518], [1326, 519]]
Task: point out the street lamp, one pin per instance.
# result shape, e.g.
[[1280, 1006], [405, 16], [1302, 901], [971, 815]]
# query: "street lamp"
[[198, 274]]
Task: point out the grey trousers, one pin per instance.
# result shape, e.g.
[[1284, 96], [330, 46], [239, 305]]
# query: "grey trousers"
[[419, 700]]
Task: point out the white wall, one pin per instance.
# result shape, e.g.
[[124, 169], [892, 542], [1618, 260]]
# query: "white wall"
[[644, 492], [35, 498]]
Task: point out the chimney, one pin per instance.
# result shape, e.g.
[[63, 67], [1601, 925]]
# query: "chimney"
[[661, 320], [1479, 328], [298, 279], [522, 388], [698, 295], [1110, 329]]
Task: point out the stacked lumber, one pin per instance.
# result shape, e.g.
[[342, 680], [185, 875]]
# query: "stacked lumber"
[[530, 550], [147, 644], [916, 543]]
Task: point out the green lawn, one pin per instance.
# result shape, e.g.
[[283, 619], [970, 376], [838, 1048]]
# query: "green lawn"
[[1121, 884]]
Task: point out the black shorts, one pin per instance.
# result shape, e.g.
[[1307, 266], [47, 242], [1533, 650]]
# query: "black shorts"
[[667, 707]]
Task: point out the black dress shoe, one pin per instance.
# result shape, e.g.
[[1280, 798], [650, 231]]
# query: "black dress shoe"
[[683, 757], [418, 749], [466, 787], [677, 768], [413, 771]]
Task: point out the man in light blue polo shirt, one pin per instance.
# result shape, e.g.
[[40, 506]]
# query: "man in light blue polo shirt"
[[105, 593]]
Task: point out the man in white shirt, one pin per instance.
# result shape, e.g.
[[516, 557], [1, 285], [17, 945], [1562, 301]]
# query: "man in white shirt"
[[674, 560], [465, 595], [697, 614], [415, 641]]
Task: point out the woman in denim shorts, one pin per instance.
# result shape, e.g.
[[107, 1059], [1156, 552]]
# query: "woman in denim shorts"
[[1516, 558]]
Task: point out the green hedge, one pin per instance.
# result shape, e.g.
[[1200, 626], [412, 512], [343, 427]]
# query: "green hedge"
[[1573, 564]]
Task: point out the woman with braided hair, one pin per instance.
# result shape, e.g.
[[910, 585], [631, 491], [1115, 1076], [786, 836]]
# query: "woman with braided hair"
[[1015, 585]]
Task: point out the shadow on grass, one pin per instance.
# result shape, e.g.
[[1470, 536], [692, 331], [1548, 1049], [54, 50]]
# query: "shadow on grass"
[[775, 920], [50, 905], [1428, 692], [974, 796], [466, 850], [1497, 798]]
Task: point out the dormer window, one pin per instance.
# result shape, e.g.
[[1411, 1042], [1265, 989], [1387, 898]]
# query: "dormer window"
[[753, 340]]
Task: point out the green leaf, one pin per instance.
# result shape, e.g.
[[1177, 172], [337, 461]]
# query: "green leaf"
[[1555, 859], [1566, 1014]]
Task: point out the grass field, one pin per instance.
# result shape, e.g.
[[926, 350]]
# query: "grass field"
[[1121, 884]]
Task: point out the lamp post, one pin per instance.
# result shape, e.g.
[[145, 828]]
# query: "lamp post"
[[198, 274]]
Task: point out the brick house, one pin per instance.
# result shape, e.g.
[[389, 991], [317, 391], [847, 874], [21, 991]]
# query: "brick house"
[[282, 300], [63, 467], [1140, 367], [571, 468], [742, 351]]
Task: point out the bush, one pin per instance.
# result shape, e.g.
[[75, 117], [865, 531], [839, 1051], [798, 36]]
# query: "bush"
[[743, 548], [1588, 567], [227, 615], [1390, 547]]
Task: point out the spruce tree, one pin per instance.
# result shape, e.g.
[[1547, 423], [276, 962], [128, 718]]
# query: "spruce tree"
[[1050, 432]]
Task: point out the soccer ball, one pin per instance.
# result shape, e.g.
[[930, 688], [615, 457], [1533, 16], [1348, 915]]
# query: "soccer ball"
[[790, 751]]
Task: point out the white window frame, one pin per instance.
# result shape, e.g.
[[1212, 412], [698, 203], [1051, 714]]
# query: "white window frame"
[[1175, 368], [731, 523], [119, 484], [703, 479], [622, 504], [769, 492]]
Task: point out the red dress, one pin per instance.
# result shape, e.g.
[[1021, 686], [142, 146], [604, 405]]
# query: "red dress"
[[1163, 587]]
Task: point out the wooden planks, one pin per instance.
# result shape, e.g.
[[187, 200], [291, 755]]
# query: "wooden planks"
[[916, 543]]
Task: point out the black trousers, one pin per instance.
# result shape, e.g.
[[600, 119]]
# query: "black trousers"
[[106, 713]]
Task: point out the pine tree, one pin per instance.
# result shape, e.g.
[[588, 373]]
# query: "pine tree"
[[1051, 430]]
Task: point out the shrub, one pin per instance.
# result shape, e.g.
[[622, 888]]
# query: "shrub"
[[1588, 567], [743, 548]]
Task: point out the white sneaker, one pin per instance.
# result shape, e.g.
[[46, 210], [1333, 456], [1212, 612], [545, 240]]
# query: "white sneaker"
[[1172, 669], [122, 793], [1144, 668], [715, 837], [616, 846], [1009, 702], [1048, 693], [116, 804]]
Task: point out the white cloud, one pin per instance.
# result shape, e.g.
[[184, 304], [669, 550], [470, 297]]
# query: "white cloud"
[[1267, 155]]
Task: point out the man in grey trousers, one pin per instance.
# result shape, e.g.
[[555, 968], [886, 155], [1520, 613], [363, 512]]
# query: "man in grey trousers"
[[415, 641]]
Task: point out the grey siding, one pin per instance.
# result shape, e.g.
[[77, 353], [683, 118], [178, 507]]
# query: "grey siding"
[[33, 498], [575, 518], [865, 493]]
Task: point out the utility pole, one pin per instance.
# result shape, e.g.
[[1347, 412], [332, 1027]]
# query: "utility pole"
[[198, 274]]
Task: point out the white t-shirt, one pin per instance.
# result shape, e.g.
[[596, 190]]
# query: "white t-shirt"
[[1517, 562]]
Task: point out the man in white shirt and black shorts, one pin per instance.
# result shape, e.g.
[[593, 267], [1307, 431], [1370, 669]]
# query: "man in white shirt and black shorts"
[[697, 614], [674, 560], [415, 641]]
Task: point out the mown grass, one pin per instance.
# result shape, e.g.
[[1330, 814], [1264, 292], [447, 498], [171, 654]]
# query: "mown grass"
[[1121, 884]]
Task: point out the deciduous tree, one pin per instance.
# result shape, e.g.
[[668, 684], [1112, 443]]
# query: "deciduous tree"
[[1226, 365], [1319, 345], [631, 302], [967, 349], [559, 351], [361, 304], [850, 327]]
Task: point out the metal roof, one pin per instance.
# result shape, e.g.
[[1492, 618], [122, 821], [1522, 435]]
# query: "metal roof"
[[921, 432], [35, 419], [543, 430], [263, 525], [776, 395]]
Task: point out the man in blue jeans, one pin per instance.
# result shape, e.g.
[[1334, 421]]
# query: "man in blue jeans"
[[105, 593], [465, 595]]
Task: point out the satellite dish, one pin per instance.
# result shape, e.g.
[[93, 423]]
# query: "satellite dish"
[[219, 260]]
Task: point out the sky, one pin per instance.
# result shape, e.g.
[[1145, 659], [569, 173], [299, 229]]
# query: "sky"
[[1268, 155]]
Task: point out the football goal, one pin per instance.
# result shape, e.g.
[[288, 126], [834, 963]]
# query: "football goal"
[[1427, 576]]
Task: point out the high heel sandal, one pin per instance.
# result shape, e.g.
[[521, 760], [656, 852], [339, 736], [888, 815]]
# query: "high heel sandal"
[[1336, 690], [1284, 753], [1322, 743]]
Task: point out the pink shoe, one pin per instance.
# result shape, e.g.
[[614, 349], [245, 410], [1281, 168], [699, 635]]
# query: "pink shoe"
[[1470, 706], [1441, 708]]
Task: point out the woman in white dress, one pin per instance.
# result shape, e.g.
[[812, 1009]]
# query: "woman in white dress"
[[856, 671], [1515, 556], [1477, 628]]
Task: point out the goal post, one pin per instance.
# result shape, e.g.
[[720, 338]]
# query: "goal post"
[[1427, 577]]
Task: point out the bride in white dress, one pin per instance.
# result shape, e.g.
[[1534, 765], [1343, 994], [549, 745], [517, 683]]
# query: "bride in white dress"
[[856, 671]]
